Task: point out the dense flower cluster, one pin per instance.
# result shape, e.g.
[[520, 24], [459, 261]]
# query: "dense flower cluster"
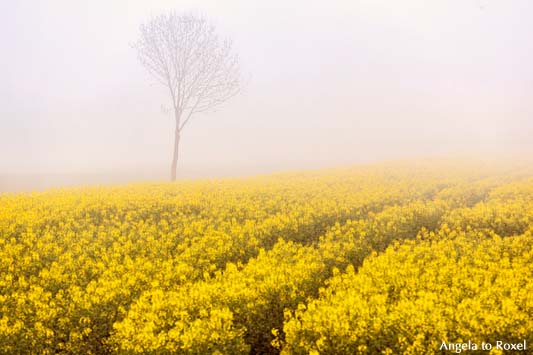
[[380, 259]]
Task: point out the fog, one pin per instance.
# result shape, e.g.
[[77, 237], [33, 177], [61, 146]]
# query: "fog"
[[328, 83]]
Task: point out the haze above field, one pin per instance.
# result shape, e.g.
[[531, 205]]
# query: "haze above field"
[[330, 83]]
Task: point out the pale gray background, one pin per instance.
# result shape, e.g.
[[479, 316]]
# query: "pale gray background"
[[331, 83]]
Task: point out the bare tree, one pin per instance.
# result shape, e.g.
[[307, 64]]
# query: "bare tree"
[[200, 70]]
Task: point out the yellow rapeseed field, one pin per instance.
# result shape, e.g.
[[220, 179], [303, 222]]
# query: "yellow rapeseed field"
[[432, 257]]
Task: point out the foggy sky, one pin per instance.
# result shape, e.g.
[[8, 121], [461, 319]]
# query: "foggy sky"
[[330, 83]]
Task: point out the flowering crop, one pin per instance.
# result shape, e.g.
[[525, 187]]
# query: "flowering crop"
[[392, 258]]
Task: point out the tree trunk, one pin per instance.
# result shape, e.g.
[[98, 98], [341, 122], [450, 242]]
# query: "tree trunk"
[[174, 165]]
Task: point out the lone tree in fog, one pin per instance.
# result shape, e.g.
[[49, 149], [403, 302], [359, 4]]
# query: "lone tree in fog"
[[200, 70]]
